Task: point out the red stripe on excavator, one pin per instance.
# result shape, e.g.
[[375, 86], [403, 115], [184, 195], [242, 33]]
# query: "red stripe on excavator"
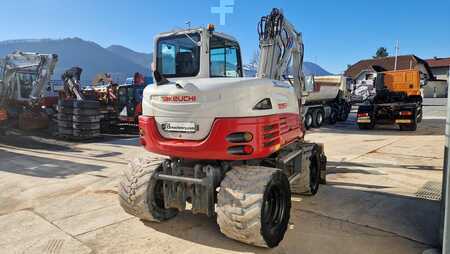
[[269, 134]]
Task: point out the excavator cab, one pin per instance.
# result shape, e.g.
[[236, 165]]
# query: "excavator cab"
[[198, 53]]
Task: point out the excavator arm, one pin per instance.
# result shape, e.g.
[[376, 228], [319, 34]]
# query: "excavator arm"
[[280, 43], [72, 87]]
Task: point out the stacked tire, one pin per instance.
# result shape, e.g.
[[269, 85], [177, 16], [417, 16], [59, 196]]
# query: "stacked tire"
[[78, 120], [86, 119], [65, 118], [109, 120]]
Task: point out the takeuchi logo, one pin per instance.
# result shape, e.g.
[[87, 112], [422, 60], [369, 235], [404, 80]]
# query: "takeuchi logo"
[[179, 98]]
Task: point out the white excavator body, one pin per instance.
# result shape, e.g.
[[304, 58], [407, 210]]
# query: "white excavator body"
[[234, 146]]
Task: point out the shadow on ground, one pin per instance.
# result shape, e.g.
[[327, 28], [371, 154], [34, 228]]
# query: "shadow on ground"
[[42, 167], [334, 167], [334, 218], [44, 141], [426, 127]]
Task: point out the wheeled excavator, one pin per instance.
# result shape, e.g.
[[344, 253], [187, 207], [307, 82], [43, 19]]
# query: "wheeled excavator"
[[23, 79], [233, 146]]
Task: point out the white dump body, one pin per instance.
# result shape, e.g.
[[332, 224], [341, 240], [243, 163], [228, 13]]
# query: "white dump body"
[[326, 88]]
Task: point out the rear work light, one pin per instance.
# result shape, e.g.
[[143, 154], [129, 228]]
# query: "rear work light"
[[406, 113], [239, 137], [240, 150], [264, 104]]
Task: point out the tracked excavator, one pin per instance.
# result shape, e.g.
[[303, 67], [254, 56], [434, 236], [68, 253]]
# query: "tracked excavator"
[[234, 146], [23, 79]]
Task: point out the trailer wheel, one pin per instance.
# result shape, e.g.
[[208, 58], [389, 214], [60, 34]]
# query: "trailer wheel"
[[333, 116], [308, 120], [366, 126], [420, 115], [140, 194], [318, 118], [254, 205], [343, 116], [409, 127]]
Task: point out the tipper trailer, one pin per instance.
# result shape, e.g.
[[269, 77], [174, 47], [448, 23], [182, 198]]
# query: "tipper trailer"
[[329, 100]]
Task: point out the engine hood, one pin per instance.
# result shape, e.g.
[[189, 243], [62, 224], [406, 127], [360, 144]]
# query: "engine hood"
[[202, 100]]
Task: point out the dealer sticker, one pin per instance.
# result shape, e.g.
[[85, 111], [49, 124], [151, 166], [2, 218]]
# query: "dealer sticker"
[[186, 127]]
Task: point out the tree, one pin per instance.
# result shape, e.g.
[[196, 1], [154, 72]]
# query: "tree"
[[381, 52]]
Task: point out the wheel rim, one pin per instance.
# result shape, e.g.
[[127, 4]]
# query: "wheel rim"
[[308, 120], [274, 208], [319, 118]]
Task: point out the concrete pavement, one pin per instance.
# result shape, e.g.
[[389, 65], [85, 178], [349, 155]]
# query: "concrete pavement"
[[60, 197]]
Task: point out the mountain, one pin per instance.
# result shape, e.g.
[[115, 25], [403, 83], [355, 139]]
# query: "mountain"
[[314, 69], [118, 60], [142, 59], [91, 57], [308, 69]]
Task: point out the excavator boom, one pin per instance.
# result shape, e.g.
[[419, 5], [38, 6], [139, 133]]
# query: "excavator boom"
[[280, 43]]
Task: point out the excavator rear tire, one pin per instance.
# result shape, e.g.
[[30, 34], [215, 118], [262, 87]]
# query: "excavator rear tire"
[[253, 205], [140, 194]]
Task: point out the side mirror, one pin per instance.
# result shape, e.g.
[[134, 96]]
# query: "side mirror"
[[159, 79], [309, 85]]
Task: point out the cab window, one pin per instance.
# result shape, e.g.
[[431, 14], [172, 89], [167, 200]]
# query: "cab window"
[[224, 58], [179, 55]]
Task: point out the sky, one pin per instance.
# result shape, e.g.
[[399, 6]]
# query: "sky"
[[335, 33]]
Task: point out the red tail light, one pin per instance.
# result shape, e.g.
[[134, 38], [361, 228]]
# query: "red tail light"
[[240, 150], [406, 113], [363, 114]]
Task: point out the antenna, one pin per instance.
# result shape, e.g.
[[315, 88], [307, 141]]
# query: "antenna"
[[397, 47], [188, 23]]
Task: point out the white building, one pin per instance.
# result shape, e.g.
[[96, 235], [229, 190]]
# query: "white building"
[[440, 69]]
